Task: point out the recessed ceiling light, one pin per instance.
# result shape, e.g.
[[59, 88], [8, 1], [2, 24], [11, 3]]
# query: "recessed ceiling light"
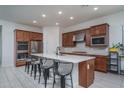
[[34, 21], [95, 8], [57, 23], [60, 12], [43, 15], [71, 17]]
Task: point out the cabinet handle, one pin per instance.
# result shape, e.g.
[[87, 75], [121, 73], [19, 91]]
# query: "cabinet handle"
[[88, 66]]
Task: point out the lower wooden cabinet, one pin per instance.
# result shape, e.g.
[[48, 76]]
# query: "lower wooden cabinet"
[[20, 63], [101, 63], [86, 73]]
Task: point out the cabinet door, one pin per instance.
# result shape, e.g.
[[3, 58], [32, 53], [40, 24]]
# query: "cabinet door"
[[67, 40], [90, 72], [88, 38], [92, 31], [99, 30], [32, 36], [86, 73], [101, 63], [36, 36], [64, 39], [26, 36], [70, 40], [19, 35]]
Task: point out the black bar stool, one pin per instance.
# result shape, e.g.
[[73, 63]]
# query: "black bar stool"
[[46, 65], [63, 69], [28, 61], [35, 66]]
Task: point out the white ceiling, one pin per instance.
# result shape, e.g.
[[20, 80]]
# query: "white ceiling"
[[26, 14]]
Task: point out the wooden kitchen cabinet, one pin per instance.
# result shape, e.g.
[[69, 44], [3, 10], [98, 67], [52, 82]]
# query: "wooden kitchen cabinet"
[[88, 38], [19, 35], [86, 73], [99, 30], [26, 36], [67, 40], [101, 63], [23, 44], [36, 36], [22, 35], [64, 39]]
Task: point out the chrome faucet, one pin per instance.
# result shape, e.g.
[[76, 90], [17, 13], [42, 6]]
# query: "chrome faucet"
[[58, 50]]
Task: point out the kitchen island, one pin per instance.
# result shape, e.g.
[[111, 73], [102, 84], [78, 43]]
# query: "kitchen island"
[[83, 71]]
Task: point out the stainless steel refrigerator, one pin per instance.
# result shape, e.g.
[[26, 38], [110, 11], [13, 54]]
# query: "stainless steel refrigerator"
[[36, 47]]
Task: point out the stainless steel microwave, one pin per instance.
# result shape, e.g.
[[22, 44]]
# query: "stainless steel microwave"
[[98, 41]]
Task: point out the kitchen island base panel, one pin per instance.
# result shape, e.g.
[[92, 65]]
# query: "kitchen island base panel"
[[82, 74], [86, 73]]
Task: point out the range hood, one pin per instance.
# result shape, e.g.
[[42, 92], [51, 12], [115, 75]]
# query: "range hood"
[[79, 37]]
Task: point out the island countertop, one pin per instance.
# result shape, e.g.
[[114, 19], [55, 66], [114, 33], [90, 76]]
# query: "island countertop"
[[64, 57]]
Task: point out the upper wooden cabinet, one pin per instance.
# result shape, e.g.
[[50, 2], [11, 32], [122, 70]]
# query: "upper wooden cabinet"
[[87, 37], [99, 30], [19, 35], [22, 35], [67, 39], [28, 36], [36, 36]]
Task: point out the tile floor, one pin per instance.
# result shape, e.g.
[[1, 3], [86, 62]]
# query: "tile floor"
[[17, 78]]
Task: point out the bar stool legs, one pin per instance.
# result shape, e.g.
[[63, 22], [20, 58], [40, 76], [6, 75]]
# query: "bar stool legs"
[[32, 68], [39, 68], [71, 80], [62, 81], [28, 66], [25, 66], [45, 72], [46, 76], [35, 71]]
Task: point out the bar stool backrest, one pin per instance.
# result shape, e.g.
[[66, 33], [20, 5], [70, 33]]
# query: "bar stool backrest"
[[47, 63], [65, 68]]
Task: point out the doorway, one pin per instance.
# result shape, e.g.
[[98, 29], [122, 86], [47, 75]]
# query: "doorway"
[[0, 45]]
